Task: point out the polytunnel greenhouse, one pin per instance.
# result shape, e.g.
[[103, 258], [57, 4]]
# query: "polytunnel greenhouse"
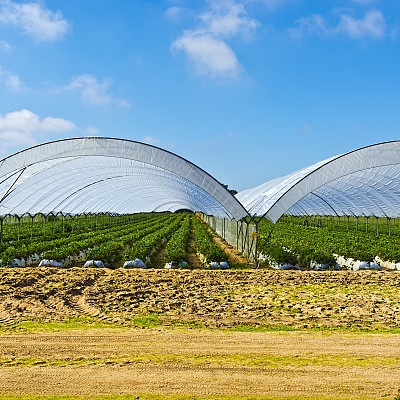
[[363, 182], [97, 175], [80, 184]]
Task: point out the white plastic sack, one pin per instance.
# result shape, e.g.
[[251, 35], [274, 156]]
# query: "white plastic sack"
[[224, 265], [16, 263], [360, 265], [136, 263], [375, 266], [183, 264], [170, 265], [50, 263], [95, 263], [214, 265]]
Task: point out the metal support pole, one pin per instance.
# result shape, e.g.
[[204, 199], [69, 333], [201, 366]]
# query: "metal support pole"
[[377, 226], [19, 225], [32, 227], [1, 230]]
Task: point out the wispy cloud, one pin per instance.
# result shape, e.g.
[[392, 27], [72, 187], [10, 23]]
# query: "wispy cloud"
[[94, 92], [174, 13], [206, 46], [11, 81], [153, 140], [371, 25], [4, 46], [92, 130], [34, 19], [23, 128]]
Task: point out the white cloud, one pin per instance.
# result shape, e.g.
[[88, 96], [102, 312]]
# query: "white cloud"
[[11, 81], [208, 54], [4, 46], [371, 25], [174, 12], [315, 24], [34, 19], [95, 92], [153, 140], [206, 46], [92, 130], [227, 19], [22, 128]]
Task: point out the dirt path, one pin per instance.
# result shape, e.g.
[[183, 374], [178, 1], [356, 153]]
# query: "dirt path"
[[193, 259], [201, 362], [234, 256]]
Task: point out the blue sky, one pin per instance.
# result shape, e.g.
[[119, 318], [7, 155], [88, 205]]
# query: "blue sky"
[[249, 90]]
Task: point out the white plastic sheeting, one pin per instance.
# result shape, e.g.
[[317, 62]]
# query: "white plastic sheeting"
[[93, 175], [364, 182]]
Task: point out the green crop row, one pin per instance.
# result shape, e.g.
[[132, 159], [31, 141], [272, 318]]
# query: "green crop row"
[[149, 245], [204, 244], [112, 251], [72, 245], [177, 245], [319, 244]]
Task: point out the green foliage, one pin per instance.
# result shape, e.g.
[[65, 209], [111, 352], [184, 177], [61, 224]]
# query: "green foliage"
[[149, 245], [177, 245], [312, 244], [204, 244], [61, 246]]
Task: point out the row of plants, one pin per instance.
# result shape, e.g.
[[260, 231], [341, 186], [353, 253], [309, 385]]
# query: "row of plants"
[[50, 226], [64, 237], [204, 245], [72, 245], [176, 247], [149, 246], [368, 224], [319, 244]]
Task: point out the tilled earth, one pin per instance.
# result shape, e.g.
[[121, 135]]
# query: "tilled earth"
[[300, 299], [177, 355]]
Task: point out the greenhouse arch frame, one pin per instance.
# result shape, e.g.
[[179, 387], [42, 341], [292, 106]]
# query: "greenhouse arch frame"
[[362, 182], [98, 174]]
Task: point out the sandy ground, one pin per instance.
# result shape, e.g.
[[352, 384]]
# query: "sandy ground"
[[172, 359], [366, 299], [201, 362]]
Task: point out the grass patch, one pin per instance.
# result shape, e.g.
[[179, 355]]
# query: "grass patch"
[[156, 321], [148, 321], [80, 323], [207, 360]]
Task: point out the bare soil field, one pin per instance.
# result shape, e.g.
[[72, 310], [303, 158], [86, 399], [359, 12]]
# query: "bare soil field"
[[200, 334], [297, 299], [202, 363]]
